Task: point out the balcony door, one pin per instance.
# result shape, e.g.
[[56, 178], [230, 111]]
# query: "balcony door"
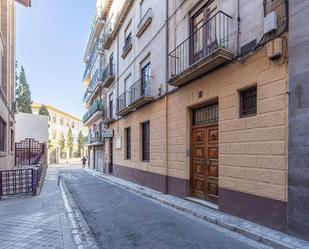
[[203, 32], [145, 81]]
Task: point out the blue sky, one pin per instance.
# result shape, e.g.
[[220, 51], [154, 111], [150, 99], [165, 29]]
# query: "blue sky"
[[51, 38]]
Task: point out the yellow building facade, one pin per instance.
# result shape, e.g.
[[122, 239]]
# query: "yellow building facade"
[[59, 124]]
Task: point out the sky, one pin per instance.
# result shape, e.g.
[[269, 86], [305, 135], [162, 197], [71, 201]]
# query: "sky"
[[51, 38]]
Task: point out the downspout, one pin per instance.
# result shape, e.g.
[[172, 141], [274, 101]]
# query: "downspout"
[[238, 27], [166, 96]]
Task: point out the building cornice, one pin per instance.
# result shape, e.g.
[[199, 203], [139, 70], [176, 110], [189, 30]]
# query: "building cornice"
[[49, 107], [120, 20]]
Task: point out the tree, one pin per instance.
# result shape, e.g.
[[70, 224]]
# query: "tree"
[[62, 143], [23, 94], [81, 143], [70, 142], [43, 110]]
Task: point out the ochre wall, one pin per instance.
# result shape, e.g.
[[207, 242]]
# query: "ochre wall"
[[252, 151]]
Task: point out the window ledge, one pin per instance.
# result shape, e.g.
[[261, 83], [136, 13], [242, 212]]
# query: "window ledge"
[[144, 23], [126, 51]]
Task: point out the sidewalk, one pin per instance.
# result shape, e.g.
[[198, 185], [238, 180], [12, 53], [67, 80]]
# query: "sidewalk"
[[249, 229], [36, 221]]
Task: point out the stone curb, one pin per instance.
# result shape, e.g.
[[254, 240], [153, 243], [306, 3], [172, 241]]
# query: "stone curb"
[[80, 231], [253, 231]]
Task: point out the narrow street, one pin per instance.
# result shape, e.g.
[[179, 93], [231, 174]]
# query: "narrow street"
[[121, 219]]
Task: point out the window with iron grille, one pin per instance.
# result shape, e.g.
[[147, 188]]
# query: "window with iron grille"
[[248, 102], [206, 115], [12, 140], [2, 134], [146, 141], [128, 143]]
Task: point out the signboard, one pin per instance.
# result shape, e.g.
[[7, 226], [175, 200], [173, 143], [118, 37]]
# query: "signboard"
[[107, 133], [26, 3], [118, 143]]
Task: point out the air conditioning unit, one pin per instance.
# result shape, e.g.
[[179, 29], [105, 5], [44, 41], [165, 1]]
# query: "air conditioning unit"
[[275, 48]]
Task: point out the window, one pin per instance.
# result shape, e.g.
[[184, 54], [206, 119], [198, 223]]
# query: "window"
[[141, 9], [54, 135], [12, 140], [146, 141], [2, 134], [67, 122], [61, 120], [248, 102], [128, 143], [146, 82], [111, 114], [203, 31], [73, 124], [54, 118]]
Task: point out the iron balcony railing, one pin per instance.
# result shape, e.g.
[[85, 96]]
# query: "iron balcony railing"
[[141, 88], [95, 22], [108, 72], [123, 101], [97, 137], [96, 106], [96, 78], [107, 32], [108, 112], [212, 35], [96, 49], [127, 45]]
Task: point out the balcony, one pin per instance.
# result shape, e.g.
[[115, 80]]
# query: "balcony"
[[144, 23], [94, 86], [208, 48], [96, 28], [95, 138], [140, 92], [108, 115], [94, 113], [108, 75], [96, 51], [107, 35], [123, 102], [127, 46]]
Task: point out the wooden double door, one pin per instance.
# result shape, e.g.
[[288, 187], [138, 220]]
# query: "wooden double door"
[[204, 163]]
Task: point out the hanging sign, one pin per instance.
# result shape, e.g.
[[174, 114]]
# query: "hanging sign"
[[107, 133]]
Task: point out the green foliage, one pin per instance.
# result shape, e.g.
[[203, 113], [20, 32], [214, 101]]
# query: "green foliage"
[[62, 143], [43, 110], [23, 94], [70, 142], [81, 143]]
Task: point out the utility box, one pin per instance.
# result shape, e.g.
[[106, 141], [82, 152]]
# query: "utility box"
[[275, 48], [270, 22]]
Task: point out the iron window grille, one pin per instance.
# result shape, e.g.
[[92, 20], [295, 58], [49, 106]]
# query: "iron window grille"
[[248, 102], [146, 141], [128, 143], [2, 134]]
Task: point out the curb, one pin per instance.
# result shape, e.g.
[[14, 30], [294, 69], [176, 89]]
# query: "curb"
[[81, 234], [250, 230]]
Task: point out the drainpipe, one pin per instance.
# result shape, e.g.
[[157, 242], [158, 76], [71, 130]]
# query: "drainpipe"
[[238, 26], [166, 96]]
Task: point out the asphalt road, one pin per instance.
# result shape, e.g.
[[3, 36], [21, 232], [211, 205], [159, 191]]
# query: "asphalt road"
[[120, 219]]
